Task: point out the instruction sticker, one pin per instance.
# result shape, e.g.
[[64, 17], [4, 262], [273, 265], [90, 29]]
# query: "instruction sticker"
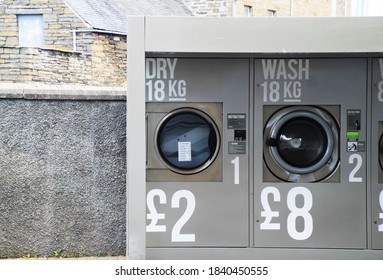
[[236, 121], [237, 147], [184, 151], [352, 146]]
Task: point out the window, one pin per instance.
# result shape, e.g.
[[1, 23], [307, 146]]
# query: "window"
[[31, 30], [248, 11], [271, 13]]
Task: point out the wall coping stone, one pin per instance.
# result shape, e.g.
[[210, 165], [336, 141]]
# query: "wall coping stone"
[[60, 92]]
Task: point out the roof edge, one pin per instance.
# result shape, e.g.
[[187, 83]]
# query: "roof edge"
[[87, 24], [264, 35]]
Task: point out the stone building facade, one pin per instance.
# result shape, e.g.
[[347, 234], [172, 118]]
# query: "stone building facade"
[[72, 51], [259, 8], [217, 8]]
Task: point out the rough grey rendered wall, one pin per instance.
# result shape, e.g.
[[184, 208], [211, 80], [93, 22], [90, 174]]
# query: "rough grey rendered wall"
[[62, 178]]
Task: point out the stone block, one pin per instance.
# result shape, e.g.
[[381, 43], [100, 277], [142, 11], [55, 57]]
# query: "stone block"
[[55, 26], [39, 2], [8, 33], [97, 48], [13, 78], [12, 41], [12, 50], [5, 57], [121, 46], [50, 17], [29, 51]]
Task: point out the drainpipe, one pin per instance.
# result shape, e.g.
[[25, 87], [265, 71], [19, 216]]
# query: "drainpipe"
[[234, 10], [345, 8], [333, 8], [74, 48]]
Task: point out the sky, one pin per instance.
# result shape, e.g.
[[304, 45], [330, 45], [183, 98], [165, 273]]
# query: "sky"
[[367, 8]]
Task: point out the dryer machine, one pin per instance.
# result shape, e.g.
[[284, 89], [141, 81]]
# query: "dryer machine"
[[310, 174], [197, 152], [184, 142]]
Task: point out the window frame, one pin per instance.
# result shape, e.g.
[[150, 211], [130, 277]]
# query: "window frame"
[[247, 11], [30, 30]]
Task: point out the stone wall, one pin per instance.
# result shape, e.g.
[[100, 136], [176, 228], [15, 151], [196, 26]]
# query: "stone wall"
[[63, 176], [104, 65], [282, 8], [44, 65], [210, 8], [109, 59]]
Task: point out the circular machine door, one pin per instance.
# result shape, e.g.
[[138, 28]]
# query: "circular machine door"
[[301, 144], [381, 152], [187, 141]]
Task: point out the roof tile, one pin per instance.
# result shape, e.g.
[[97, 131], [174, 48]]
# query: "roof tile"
[[111, 15]]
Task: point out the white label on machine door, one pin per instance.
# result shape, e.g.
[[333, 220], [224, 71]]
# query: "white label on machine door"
[[184, 151]]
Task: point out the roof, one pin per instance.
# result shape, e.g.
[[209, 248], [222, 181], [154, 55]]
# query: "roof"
[[111, 15], [157, 8]]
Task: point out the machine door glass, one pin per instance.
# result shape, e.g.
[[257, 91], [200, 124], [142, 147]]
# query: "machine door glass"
[[381, 152], [187, 140], [301, 142]]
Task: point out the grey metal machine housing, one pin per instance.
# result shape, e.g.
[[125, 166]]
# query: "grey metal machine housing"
[[294, 168]]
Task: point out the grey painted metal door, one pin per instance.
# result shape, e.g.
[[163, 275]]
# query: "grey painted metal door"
[[377, 154], [313, 112], [197, 161]]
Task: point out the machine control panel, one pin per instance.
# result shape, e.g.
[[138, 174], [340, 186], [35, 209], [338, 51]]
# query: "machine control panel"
[[354, 121], [237, 124]]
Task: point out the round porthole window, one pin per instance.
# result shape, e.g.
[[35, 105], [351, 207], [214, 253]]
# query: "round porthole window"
[[381, 152], [301, 144], [187, 140]]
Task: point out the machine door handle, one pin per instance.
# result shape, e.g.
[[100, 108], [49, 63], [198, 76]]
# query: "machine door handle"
[[273, 142]]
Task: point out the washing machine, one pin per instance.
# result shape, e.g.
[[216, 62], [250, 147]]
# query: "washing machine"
[[197, 116], [310, 157], [377, 154], [380, 152], [301, 143]]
